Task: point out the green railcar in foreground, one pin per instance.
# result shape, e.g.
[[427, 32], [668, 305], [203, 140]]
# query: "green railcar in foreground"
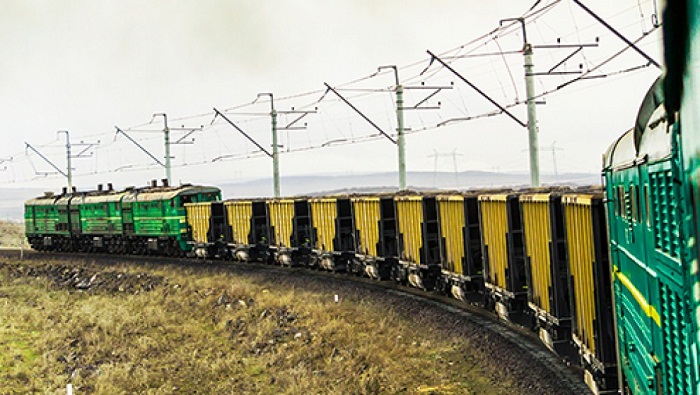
[[682, 89], [652, 176], [649, 262]]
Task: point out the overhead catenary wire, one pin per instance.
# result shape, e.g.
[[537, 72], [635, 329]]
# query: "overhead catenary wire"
[[531, 13], [502, 31]]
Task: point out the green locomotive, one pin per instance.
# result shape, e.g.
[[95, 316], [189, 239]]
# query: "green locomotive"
[[135, 220], [651, 175], [682, 43]]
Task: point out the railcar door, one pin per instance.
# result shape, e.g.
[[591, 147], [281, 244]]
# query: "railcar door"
[[127, 218]]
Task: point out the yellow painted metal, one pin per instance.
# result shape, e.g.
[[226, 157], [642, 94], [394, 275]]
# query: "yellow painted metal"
[[581, 252], [452, 222], [409, 210], [538, 235], [367, 216], [239, 215], [198, 215], [494, 227], [281, 220], [647, 307], [324, 213]]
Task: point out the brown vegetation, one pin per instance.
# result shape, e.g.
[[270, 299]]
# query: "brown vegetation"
[[173, 329], [11, 234]]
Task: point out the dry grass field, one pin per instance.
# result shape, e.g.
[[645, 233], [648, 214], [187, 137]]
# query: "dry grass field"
[[124, 329], [11, 234]]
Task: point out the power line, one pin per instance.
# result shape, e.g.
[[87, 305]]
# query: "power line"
[[493, 36]]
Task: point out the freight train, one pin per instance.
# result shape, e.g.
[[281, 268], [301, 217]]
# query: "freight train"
[[607, 277]]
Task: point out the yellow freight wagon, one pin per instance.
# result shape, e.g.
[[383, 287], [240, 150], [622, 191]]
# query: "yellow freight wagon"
[[503, 255], [209, 230], [376, 244], [589, 268], [247, 229], [367, 218], [548, 279], [460, 246], [198, 220], [452, 225], [324, 213], [419, 240], [281, 222], [239, 214], [333, 232], [290, 230]]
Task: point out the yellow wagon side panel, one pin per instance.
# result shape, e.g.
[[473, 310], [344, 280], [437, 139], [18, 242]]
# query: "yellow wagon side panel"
[[409, 210], [494, 225], [281, 220], [198, 215], [324, 213], [536, 220], [452, 224], [579, 233], [239, 219], [367, 216]]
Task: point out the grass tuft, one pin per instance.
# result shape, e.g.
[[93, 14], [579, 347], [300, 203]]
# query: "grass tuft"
[[212, 332]]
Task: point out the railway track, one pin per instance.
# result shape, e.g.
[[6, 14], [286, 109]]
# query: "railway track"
[[513, 347]]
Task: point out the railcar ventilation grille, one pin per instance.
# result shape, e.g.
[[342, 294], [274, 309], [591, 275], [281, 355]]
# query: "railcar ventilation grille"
[[675, 342], [664, 195]]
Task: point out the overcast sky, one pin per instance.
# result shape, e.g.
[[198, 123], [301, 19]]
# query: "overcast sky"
[[86, 66]]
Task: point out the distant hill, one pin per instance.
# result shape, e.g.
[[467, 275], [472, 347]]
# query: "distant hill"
[[386, 182], [12, 199]]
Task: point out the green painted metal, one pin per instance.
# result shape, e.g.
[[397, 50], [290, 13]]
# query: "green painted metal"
[[646, 207], [159, 214], [153, 213], [682, 43], [43, 218], [100, 215]]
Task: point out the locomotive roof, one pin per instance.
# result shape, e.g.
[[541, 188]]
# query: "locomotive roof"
[[45, 200], [655, 143], [653, 99], [167, 193], [140, 195], [104, 197], [621, 153], [649, 140]]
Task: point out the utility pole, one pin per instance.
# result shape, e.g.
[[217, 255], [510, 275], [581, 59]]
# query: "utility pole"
[[166, 132], [400, 140], [400, 129], [69, 172], [437, 155], [275, 146], [531, 110], [554, 150]]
